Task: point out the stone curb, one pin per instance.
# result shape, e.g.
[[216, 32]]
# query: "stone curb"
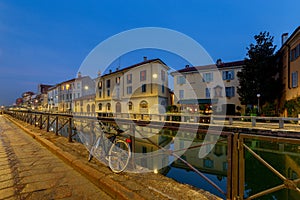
[[113, 188]]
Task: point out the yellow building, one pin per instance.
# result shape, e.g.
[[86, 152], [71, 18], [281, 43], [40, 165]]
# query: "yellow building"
[[138, 89], [65, 96], [289, 55], [84, 106]]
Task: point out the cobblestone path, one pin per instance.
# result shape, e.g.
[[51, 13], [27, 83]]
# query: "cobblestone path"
[[30, 171]]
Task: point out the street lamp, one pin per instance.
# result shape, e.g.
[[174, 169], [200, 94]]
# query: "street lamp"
[[258, 96]]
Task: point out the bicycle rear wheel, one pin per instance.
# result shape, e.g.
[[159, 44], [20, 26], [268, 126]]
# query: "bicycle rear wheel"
[[119, 155]]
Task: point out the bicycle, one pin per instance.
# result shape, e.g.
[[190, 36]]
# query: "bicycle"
[[115, 150]]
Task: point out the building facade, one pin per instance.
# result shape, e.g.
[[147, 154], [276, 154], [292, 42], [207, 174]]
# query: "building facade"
[[198, 88], [84, 106], [52, 94], [289, 56], [141, 88], [65, 91], [83, 93]]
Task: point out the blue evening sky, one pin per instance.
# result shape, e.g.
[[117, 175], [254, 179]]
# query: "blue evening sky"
[[43, 41]]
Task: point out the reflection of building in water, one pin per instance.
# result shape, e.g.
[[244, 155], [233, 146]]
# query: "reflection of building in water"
[[148, 154], [140, 88], [215, 162], [283, 157]]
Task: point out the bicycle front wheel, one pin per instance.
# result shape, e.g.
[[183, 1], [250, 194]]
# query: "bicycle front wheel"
[[119, 155]]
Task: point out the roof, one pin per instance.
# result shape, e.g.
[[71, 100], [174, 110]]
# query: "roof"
[[290, 38], [135, 65], [212, 66]]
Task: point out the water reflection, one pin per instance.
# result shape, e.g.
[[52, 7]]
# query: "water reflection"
[[284, 157], [150, 157]]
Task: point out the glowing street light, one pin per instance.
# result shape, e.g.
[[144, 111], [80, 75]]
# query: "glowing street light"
[[258, 96]]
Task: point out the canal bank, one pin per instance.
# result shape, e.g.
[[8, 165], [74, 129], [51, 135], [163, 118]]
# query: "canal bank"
[[119, 186]]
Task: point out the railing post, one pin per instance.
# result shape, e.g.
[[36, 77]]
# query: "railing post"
[[35, 119], [253, 121], [132, 144], [56, 126], [70, 130], [230, 120], [48, 123], [41, 121], [281, 123]]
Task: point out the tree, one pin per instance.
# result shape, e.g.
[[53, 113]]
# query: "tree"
[[260, 74]]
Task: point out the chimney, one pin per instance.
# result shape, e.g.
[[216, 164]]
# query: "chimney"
[[99, 73], [145, 58], [187, 66], [219, 61], [284, 38], [79, 75], [110, 71]]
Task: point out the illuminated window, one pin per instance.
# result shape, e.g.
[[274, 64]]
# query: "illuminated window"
[[129, 78], [130, 105], [118, 80], [143, 75], [108, 106], [144, 104]]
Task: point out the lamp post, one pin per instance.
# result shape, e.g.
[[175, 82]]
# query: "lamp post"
[[258, 96]]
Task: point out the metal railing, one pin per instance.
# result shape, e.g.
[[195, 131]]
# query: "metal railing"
[[238, 142]]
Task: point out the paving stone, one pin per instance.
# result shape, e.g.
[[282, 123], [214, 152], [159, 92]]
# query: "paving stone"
[[37, 186], [38, 173], [5, 177], [7, 184], [7, 192]]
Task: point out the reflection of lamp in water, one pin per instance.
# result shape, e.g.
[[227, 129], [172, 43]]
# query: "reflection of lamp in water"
[[155, 171]]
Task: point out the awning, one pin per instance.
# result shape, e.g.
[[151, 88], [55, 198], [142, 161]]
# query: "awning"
[[197, 101]]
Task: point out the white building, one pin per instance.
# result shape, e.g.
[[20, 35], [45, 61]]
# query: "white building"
[[52, 94], [83, 93], [206, 85]]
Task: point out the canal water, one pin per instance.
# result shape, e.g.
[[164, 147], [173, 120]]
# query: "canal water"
[[285, 158]]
